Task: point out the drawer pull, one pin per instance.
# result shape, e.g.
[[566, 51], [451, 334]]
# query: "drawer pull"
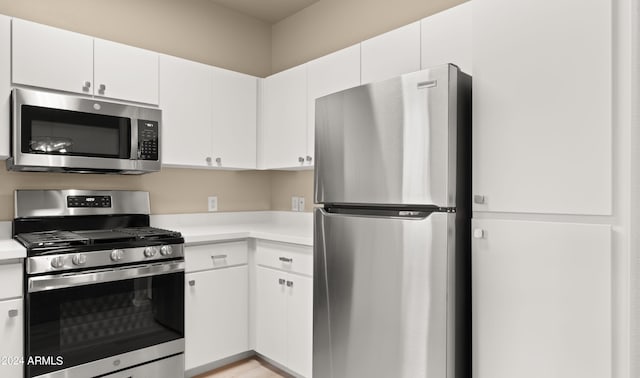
[[281, 281], [192, 282], [289, 283], [286, 259], [219, 257], [13, 313]]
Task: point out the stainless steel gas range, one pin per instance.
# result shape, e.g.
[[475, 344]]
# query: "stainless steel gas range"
[[104, 290]]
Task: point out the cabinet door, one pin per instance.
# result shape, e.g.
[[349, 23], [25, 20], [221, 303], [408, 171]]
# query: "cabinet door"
[[234, 111], [271, 317], [446, 38], [331, 73], [541, 300], [542, 106], [5, 86], [185, 99], [391, 54], [284, 131], [300, 324], [216, 315], [11, 334], [51, 58], [125, 72]]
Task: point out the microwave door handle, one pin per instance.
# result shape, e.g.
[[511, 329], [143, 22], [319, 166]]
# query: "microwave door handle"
[[52, 282], [135, 150]]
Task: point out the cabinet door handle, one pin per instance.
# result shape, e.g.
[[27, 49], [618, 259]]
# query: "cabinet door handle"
[[86, 86], [478, 233], [300, 159], [208, 159], [289, 283], [479, 199], [281, 281], [102, 88], [219, 257], [219, 161], [13, 313], [309, 158], [286, 259], [192, 282]]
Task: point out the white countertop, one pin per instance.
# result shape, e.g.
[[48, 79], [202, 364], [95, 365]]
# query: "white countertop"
[[282, 226]]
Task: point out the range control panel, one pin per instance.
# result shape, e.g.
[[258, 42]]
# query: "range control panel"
[[147, 140], [89, 201]]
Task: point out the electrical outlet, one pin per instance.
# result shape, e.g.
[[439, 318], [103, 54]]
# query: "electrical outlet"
[[300, 203], [213, 203], [294, 203]]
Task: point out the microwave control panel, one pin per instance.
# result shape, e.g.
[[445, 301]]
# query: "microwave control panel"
[[147, 140]]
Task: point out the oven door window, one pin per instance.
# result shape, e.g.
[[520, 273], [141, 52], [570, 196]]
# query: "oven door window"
[[86, 323], [64, 132]]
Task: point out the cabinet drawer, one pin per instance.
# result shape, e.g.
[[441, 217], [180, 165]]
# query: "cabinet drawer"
[[11, 281], [213, 256], [290, 257]]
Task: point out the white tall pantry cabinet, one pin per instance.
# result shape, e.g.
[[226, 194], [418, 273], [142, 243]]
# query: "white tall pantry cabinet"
[[542, 176]]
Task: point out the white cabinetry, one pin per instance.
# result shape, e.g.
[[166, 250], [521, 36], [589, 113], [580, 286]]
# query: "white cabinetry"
[[11, 321], [5, 86], [52, 58], [234, 112], [446, 38], [216, 302], [57, 59], [284, 126], [209, 115], [331, 73], [541, 300], [542, 106], [391, 54], [284, 304], [185, 100], [125, 72]]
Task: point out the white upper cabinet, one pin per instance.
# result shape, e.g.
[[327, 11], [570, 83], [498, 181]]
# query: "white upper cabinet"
[[391, 54], [446, 38], [52, 58], [284, 126], [186, 96], [541, 300], [542, 106], [5, 86], [234, 113], [328, 74], [125, 72], [58, 59]]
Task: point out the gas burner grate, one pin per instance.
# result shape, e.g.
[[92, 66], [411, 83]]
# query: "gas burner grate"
[[149, 233], [52, 239]]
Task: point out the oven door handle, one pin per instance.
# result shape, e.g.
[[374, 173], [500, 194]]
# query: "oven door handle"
[[52, 282]]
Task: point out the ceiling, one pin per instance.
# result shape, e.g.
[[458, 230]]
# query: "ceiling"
[[270, 11]]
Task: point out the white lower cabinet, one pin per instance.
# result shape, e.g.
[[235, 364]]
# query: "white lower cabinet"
[[284, 306], [216, 303], [11, 336], [541, 299]]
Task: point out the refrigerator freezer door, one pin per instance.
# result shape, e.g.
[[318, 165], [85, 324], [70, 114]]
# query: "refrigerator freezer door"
[[380, 296], [390, 143]]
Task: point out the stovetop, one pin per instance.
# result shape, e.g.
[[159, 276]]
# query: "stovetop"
[[59, 241]]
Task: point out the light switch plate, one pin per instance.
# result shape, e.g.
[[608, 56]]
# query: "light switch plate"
[[294, 203], [213, 203], [300, 203]]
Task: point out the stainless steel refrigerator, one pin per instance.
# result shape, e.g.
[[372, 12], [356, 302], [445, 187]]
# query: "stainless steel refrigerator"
[[392, 238]]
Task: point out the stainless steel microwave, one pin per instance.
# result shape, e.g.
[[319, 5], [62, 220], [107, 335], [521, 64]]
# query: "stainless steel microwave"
[[62, 133]]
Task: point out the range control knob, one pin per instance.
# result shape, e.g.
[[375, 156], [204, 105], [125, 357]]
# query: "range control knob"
[[150, 251], [79, 259], [57, 262], [116, 254], [166, 250]]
